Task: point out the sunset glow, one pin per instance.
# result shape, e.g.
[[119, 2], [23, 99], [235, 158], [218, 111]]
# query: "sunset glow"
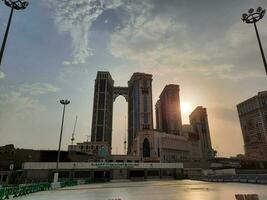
[[186, 108]]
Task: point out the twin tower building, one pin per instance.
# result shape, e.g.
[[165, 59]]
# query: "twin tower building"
[[138, 95], [165, 143]]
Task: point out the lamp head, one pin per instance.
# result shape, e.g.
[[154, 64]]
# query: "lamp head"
[[17, 4], [244, 16], [259, 9], [253, 16], [64, 102], [251, 10]]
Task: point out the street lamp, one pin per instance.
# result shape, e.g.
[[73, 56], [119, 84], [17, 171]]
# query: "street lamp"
[[13, 4], [253, 16], [64, 103]]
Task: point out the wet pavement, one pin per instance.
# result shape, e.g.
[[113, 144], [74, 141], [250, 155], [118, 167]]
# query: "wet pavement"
[[152, 190]]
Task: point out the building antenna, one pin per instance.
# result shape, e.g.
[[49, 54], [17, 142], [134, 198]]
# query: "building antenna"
[[72, 137], [125, 142]]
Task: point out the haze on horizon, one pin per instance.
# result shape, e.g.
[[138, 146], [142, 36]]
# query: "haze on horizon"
[[56, 47]]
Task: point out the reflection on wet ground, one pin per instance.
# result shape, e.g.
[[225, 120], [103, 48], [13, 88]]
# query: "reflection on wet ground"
[[153, 190]]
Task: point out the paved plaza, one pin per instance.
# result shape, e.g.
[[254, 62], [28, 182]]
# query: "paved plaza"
[[152, 190]]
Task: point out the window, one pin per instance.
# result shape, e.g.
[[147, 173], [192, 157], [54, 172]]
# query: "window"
[[146, 148], [145, 91], [146, 126], [250, 124], [64, 174], [102, 85], [4, 178], [101, 101], [259, 136], [99, 134], [100, 117]]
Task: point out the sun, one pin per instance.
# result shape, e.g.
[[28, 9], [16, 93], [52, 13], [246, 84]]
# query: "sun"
[[186, 108]]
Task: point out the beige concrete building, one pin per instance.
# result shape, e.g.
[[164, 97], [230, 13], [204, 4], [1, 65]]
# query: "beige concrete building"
[[158, 111], [123, 158], [253, 120], [101, 149], [140, 106], [199, 122], [193, 139], [155, 146]]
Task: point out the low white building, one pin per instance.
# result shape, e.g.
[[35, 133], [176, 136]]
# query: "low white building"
[[155, 146], [100, 149]]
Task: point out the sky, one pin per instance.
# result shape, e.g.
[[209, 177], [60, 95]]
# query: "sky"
[[56, 47]]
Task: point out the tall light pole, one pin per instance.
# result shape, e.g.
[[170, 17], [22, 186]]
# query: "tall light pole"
[[252, 17], [64, 103], [13, 4]]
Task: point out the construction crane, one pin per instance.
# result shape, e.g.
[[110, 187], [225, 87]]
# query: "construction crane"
[[73, 133], [125, 142]]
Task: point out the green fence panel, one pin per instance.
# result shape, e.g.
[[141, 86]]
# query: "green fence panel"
[[17, 191], [1, 193]]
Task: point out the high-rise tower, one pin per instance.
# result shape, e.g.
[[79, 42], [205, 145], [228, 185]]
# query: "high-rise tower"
[[199, 121], [253, 120], [168, 112], [140, 111], [103, 108]]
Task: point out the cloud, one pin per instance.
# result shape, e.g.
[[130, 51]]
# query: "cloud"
[[2, 75], [18, 104], [38, 88], [157, 37], [155, 41], [21, 100], [76, 18]]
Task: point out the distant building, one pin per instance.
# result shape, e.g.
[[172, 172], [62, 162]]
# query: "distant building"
[[193, 139], [97, 149], [140, 110], [199, 121], [158, 115], [12, 159], [155, 146], [168, 143], [168, 112], [123, 158], [253, 120]]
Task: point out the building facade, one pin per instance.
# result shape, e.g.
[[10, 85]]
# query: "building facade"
[[155, 146], [103, 108], [168, 112], [158, 115], [253, 120], [138, 94], [199, 121], [193, 139], [97, 149], [140, 111]]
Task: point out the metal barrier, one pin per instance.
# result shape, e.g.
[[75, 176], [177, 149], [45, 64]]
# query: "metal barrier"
[[17, 191], [241, 178]]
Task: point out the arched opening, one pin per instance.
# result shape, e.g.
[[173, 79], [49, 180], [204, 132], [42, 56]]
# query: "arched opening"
[[146, 148], [119, 125]]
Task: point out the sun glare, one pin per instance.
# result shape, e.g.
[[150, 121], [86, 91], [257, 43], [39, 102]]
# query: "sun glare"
[[185, 108]]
